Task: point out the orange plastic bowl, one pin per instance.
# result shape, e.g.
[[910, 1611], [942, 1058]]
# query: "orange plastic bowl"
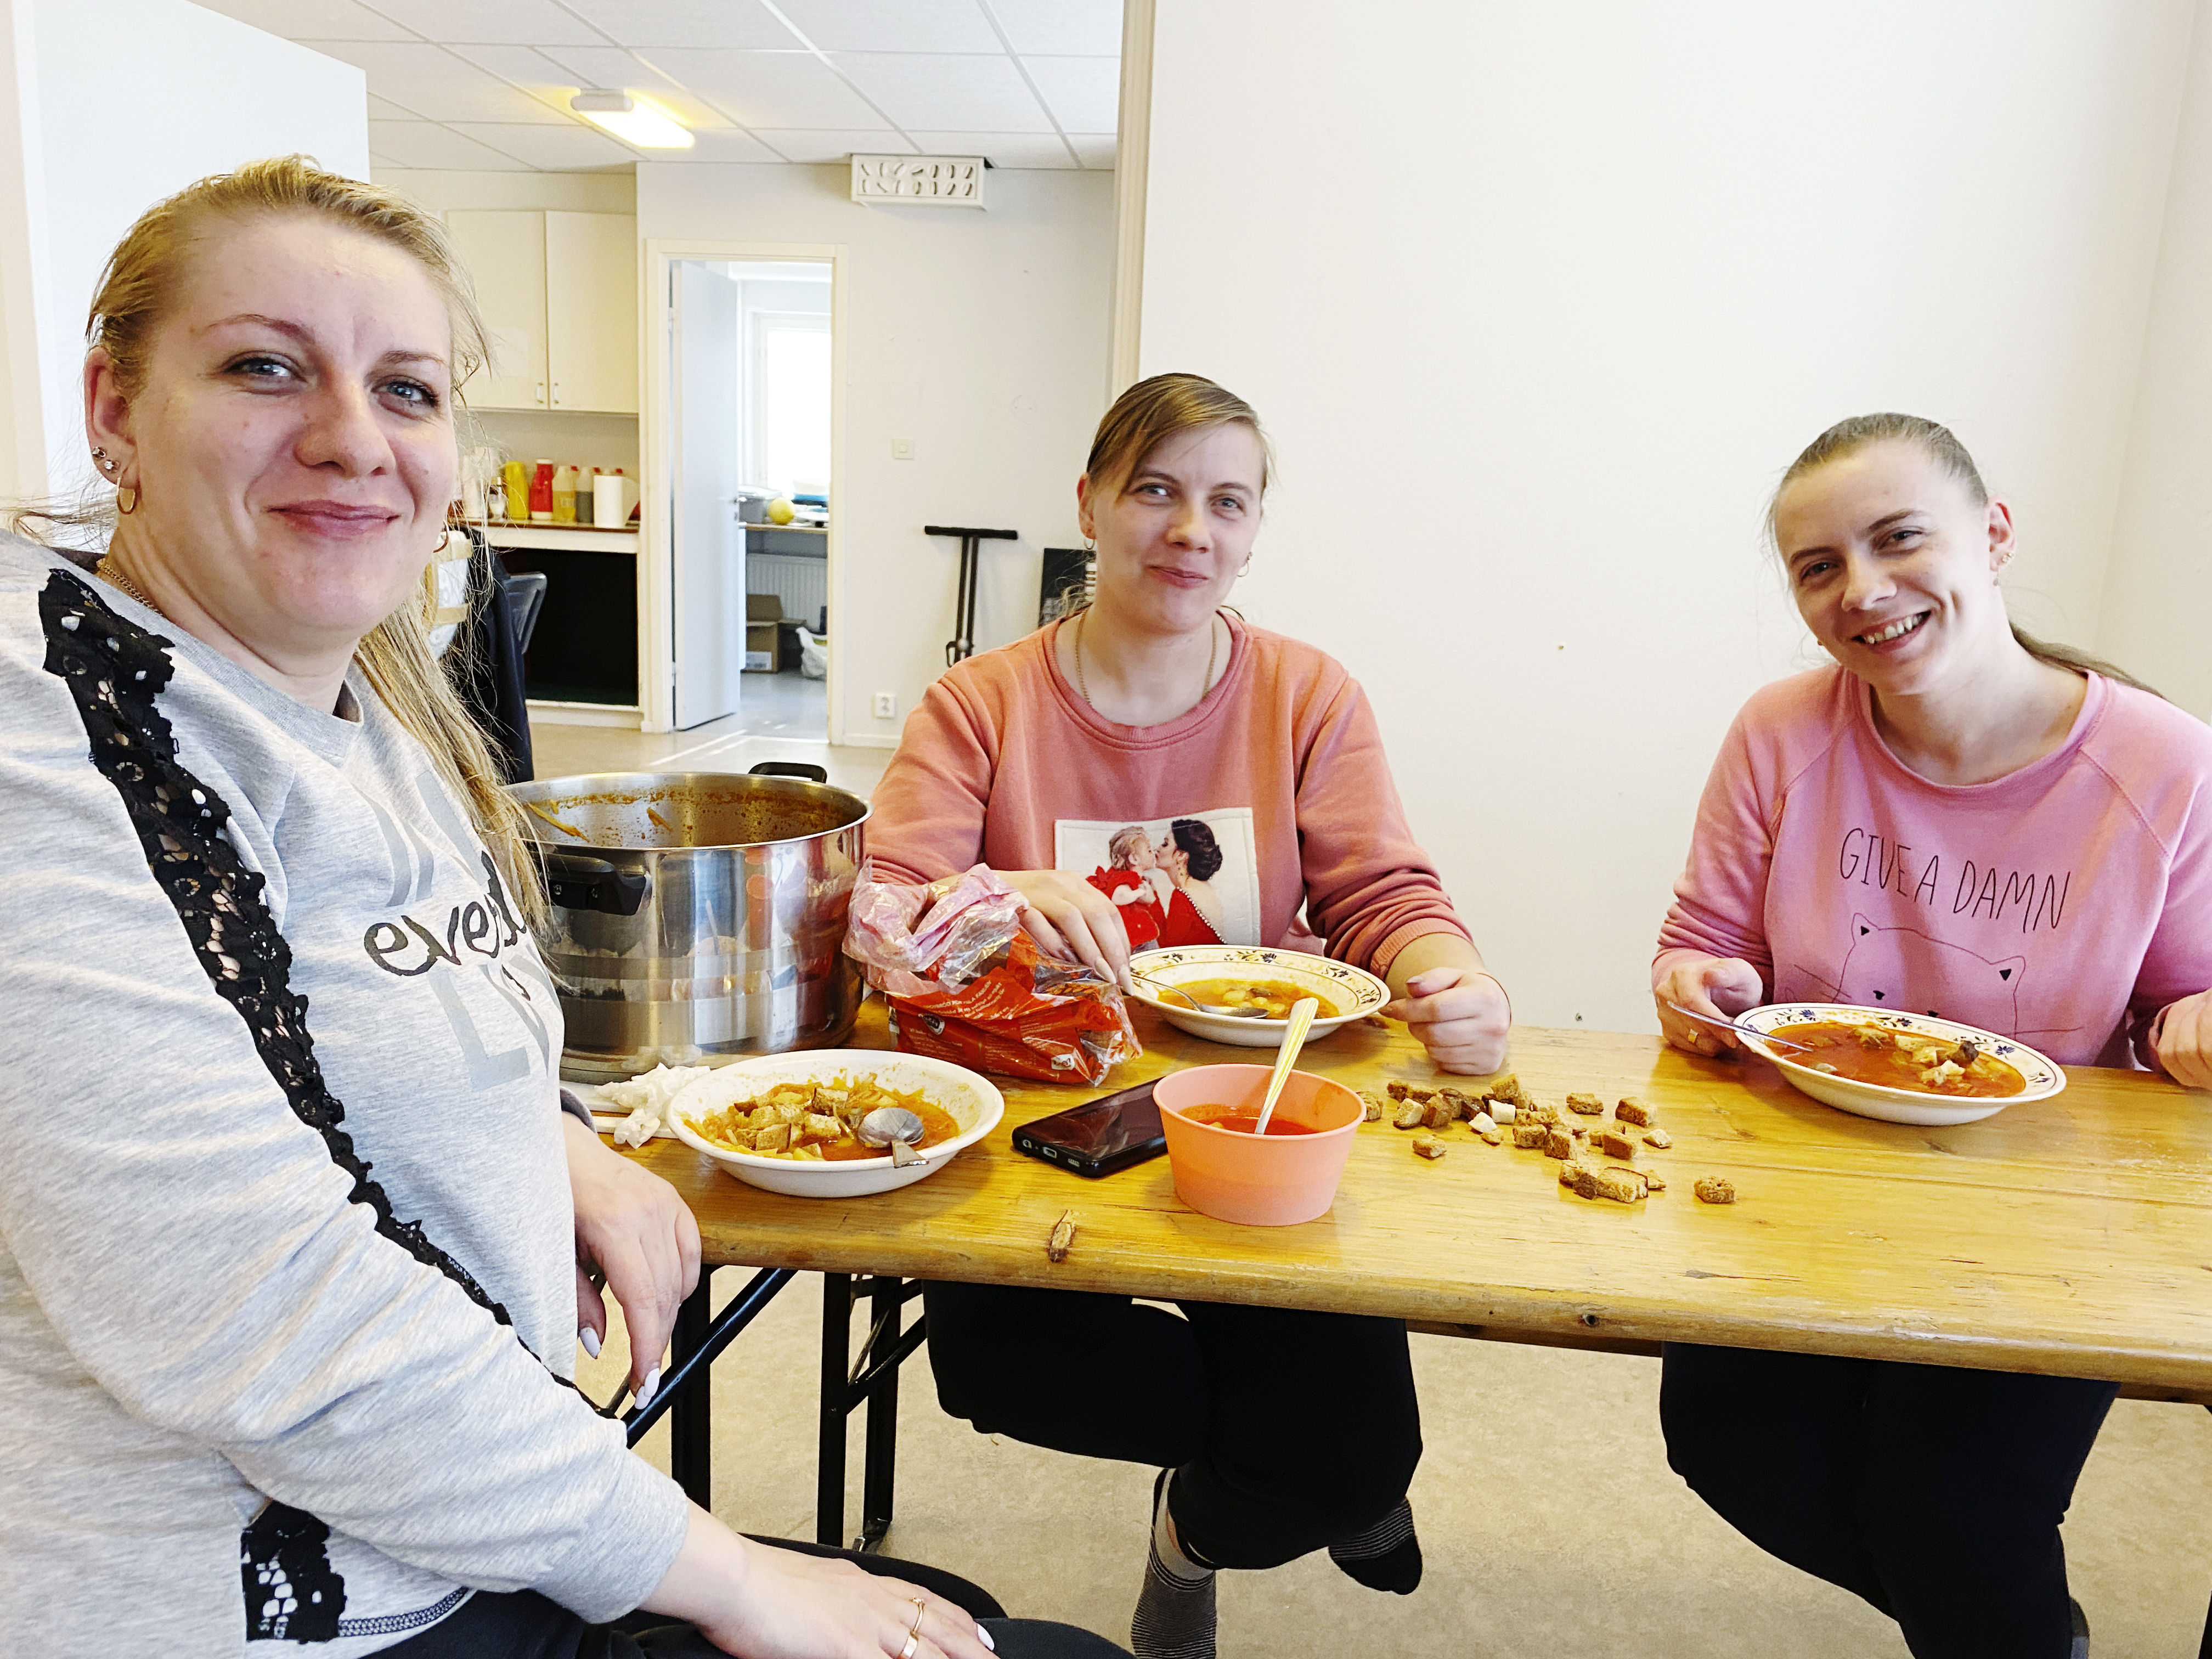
[[1261, 1181]]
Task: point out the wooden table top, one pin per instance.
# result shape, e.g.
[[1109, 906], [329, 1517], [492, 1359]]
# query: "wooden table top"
[[2072, 1236]]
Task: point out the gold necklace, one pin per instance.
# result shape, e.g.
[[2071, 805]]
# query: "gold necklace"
[[1212, 646], [112, 573]]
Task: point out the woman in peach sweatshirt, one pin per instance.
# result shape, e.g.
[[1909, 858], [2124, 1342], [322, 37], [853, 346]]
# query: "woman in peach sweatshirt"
[[1959, 820], [1153, 707]]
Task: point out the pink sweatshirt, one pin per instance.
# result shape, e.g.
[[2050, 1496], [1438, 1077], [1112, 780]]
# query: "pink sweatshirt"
[[1275, 788], [2066, 904]]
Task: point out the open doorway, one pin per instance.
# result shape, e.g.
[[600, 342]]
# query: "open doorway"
[[751, 440]]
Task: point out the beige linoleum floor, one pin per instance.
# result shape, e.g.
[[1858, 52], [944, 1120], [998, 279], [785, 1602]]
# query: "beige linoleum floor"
[[1557, 1534]]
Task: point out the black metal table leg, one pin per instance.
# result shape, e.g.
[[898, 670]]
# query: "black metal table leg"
[[830, 1450], [885, 1297], [685, 1390], [690, 1420]]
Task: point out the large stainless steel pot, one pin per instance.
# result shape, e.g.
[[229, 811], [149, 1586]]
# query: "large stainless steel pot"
[[697, 913]]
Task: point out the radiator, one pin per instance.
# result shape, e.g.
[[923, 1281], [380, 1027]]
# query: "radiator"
[[802, 583]]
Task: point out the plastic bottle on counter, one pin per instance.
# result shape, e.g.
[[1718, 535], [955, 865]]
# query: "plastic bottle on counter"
[[564, 496], [587, 486], [518, 491], [541, 494]]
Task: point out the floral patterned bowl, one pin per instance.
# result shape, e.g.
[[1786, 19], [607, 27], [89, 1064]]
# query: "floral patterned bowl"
[[1878, 1100], [1353, 991]]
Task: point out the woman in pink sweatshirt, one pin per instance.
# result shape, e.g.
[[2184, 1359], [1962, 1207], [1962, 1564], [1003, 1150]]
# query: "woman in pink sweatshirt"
[[1955, 819], [1255, 762]]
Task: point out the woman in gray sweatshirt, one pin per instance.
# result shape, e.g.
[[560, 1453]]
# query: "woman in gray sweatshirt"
[[289, 1217]]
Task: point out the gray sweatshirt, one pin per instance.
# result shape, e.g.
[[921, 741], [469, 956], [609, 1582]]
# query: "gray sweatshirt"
[[241, 1411]]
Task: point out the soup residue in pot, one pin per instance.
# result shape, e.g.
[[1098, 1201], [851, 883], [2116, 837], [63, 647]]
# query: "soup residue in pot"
[[1901, 1060], [1272, 997], [1244, 1120], [816, 1121]]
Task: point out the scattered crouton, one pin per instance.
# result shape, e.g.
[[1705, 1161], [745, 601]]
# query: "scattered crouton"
[[1712, 1189], [1410, 1115], [1588, 1105], [1371, 1106], [1655, 1136], [1616, 1143], [1428, 1147], [1632, 1110], [1557, 1143]]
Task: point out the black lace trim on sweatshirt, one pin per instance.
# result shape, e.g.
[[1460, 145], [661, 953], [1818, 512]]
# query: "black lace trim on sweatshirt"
[[114, 669]]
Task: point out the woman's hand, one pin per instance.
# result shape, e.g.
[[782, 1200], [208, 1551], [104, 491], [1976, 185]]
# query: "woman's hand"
[[1461, 1017], [632, 1227], [1719, 986], [758, 1603], [1072, 919], [2184, 1041]]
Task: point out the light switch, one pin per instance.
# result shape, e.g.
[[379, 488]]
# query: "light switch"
[[902, 449]]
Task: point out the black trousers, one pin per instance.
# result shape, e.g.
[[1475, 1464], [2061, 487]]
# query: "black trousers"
[[1288, 1430], [525, 1625], [1933, 1492]]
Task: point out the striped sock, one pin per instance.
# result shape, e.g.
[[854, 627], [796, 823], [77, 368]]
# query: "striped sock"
[[1387, 1556], [1174, 1617]]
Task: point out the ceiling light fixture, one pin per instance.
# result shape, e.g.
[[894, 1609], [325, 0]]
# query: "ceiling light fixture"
[[631, 121]]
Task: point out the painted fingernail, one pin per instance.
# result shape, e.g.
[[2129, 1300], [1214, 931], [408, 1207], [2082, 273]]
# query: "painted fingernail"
[[652, 1386], [590, 1339], [984, 1637]]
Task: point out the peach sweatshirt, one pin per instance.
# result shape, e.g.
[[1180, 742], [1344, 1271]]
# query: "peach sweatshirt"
[[2067, 905], [1281, 764]]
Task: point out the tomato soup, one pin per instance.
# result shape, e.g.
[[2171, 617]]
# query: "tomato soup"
[[1242, 1120], [1900, 1059]]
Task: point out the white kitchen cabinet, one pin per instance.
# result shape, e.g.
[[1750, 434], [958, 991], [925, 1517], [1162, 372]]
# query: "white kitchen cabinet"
[[559, 294]]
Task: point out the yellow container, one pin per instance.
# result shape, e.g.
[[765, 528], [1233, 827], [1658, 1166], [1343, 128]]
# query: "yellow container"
[[564, 496], [518, 491]]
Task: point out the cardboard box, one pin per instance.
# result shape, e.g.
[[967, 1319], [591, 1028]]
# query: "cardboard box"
[[763, 615]]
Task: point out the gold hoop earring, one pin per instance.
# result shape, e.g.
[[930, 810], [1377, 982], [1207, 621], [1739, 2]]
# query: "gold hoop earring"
[[1245, 568], [126, 501]]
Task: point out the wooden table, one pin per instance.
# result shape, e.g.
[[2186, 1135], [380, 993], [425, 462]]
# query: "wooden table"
[[2072, 1238]]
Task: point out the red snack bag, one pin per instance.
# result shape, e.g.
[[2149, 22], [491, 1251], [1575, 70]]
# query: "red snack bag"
[[965, 983]]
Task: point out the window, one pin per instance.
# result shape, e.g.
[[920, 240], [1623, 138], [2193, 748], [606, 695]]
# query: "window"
[[788, 405]]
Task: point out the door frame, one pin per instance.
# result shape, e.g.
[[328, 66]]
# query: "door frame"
[[656, 545]]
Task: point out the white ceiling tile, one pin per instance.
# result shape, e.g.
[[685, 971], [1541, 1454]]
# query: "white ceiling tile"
[[947, 94], [381, 110], [893, 25], [612, 67], [1005, 150], [1085, 93], [1073, 28], [540, 23], [556, 149], [422, 144], [311, 20], [795, 145], [769, 88], [526, 67], [727, 145], [1094, 149], [433, 83], [690, 23]]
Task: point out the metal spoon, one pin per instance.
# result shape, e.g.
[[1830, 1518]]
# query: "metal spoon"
[[1301, 1019], [893, 1127], [1227, 1011], [1741, 1030]]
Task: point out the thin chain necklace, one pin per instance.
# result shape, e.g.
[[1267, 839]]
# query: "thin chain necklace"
[[1212, 646], [108, 571]]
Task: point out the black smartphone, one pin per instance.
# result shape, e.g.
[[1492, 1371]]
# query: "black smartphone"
[[1099, 1136]]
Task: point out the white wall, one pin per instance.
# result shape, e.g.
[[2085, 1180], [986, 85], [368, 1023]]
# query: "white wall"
[[1634, 257], [981, 336], [554, 192], [2158, 596], [117, 105]]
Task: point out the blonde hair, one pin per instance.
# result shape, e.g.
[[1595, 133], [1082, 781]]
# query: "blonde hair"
[[1941, 445], [142, 276], [1122, 846], [1152, 411]]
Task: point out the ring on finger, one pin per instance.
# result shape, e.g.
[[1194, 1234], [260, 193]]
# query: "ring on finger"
[[914, 1630]]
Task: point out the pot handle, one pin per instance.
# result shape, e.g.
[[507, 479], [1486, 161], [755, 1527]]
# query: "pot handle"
[[812, 773], [573, 882]]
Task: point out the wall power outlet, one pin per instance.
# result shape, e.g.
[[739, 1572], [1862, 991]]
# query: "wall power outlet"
[[886, 705]]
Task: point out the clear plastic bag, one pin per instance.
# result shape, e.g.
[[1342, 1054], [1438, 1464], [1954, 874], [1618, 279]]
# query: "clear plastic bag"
[[965, 981]]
